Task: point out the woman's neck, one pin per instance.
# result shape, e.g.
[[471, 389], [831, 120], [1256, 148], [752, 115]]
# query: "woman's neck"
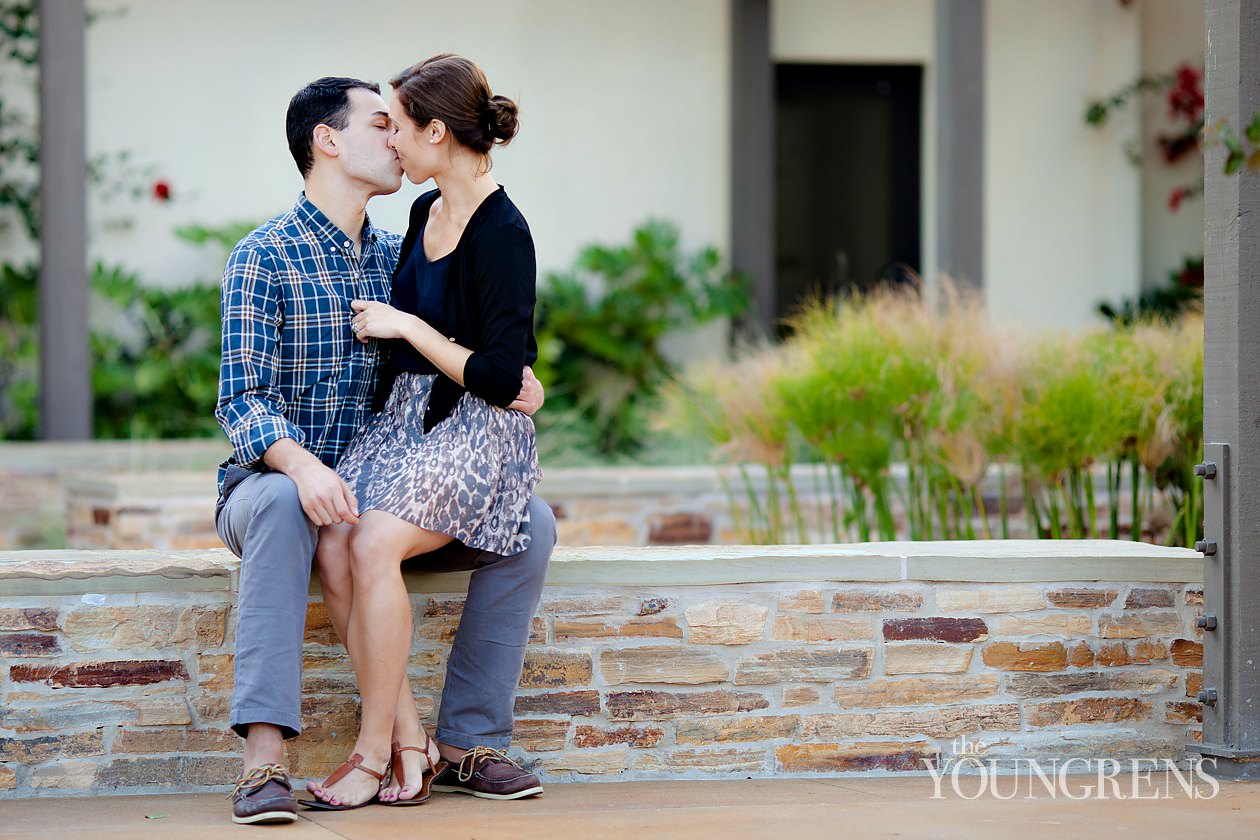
[[462, 190]]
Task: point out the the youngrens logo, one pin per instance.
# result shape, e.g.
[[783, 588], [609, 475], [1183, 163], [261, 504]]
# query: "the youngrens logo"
[[971, 777]]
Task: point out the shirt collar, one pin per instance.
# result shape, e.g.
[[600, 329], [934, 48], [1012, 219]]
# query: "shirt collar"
[[322, 227]]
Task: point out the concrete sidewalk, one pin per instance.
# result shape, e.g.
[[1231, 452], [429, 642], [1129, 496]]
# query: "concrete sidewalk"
[[780, 809]]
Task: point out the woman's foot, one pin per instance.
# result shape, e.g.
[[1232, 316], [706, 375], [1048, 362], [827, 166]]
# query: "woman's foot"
[[354, 783], [410, 760]]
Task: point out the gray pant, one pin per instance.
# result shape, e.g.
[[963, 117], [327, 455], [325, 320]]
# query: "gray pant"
[[262, 522]]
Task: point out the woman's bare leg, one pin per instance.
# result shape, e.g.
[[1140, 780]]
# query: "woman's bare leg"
[[378, 636], [332, 561]]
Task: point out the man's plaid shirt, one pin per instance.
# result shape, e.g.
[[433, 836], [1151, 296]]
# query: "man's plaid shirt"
[[291, 366]]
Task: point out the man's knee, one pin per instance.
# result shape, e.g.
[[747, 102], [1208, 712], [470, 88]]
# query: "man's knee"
[[542, 536], [542, 524], [276, 498]]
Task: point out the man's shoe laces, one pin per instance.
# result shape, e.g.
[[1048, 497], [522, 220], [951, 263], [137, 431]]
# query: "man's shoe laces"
[[258, 777], [470, 759]]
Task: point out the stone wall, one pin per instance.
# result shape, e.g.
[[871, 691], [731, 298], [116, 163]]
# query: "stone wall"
[[33, 479], [659, 663], [173, 509], [160, 494]]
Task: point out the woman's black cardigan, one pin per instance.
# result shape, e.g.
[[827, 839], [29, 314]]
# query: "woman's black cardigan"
[[492, 276]]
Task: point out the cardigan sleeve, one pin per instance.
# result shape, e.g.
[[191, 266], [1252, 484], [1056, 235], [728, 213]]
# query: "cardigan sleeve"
[[505, 272]]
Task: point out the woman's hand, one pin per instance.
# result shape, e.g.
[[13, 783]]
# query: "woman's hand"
[[379, 320]]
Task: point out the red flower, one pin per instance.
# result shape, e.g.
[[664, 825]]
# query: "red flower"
[[1175, 198], [1185, 97], [161, 191]]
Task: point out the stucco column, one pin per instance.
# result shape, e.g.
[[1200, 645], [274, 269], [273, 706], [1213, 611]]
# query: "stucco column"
[[1231, 590], [752, 154], [959, 90], [65, 394]]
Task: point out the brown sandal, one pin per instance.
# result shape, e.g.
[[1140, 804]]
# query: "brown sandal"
[[354, 762], [426, 776]]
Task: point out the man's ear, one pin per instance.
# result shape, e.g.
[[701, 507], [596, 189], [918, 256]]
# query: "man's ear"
[[324, 138]]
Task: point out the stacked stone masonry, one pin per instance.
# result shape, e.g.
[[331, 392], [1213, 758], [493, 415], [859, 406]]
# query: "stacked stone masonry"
[[147, 495], [130, 690]]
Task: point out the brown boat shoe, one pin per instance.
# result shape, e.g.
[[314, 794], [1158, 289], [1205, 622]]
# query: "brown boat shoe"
[[487, 773], [263, 795]]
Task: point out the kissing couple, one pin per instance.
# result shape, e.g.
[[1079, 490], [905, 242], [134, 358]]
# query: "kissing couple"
[[377, 394]]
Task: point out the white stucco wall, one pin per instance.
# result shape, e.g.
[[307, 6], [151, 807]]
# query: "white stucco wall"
[[852, 31], [1172, 32], [626, 115], [624, 110], [1062, 203]]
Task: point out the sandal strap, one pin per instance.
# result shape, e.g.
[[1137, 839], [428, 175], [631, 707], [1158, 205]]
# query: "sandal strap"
[[395, 758], [354, 762]]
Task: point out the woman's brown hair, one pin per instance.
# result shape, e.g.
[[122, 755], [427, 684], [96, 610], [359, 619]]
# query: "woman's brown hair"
[[452, 89]]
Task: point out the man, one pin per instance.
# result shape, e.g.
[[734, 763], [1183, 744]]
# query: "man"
[[294, 387]]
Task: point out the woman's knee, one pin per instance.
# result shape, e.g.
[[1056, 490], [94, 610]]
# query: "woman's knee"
[[332, 560], [372, 557]]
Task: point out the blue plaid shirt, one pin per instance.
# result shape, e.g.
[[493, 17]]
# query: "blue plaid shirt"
[[291, 368]]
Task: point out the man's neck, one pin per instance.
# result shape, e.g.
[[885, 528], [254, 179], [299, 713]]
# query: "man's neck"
[[343, 204]]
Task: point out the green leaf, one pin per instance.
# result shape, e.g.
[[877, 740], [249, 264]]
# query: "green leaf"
[[1253, 129], [1234, 162]]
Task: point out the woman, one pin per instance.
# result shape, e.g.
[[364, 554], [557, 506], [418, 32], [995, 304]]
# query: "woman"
[[445, 458]]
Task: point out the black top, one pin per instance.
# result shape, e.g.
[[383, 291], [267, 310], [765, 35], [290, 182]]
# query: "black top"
[[490, 284], [420, 287]]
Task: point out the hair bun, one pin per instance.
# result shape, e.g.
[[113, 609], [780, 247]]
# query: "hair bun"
[[502, 119]]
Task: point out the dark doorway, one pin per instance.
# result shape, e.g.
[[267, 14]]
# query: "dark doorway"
[[848, 178]]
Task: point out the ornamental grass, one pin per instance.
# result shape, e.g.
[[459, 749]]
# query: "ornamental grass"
[[924, 420]]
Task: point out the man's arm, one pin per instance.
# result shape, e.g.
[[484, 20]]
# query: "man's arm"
[[250, 408]]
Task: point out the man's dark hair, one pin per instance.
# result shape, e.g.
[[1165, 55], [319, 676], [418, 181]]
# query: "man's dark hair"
[[324, 101]]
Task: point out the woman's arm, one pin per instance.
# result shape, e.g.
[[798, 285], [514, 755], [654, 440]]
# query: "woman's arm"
[[380, 320], [505, 270]]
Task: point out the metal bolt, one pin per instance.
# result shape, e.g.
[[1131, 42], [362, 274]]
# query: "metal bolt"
[[1205, 470], [1206, 547], [1208, 696], [1206, 622]]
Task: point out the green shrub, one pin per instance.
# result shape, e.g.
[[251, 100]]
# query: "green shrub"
[[599, 330]]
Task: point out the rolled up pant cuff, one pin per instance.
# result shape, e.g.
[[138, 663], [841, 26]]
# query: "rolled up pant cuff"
[[241, 719], [464, 741]]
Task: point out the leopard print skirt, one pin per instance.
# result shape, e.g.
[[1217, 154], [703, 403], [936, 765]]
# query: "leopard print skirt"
[[471, 476]]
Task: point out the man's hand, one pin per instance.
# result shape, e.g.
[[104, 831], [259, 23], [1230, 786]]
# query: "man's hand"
[[324, 496], [530, 399]]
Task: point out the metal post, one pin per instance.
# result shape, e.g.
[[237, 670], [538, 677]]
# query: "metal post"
[[1231, 580], [959, 91], [752, 154], [65, 408]]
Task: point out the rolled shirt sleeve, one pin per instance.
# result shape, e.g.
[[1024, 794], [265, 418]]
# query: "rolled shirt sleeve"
[[250, 408], [506, 277]]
